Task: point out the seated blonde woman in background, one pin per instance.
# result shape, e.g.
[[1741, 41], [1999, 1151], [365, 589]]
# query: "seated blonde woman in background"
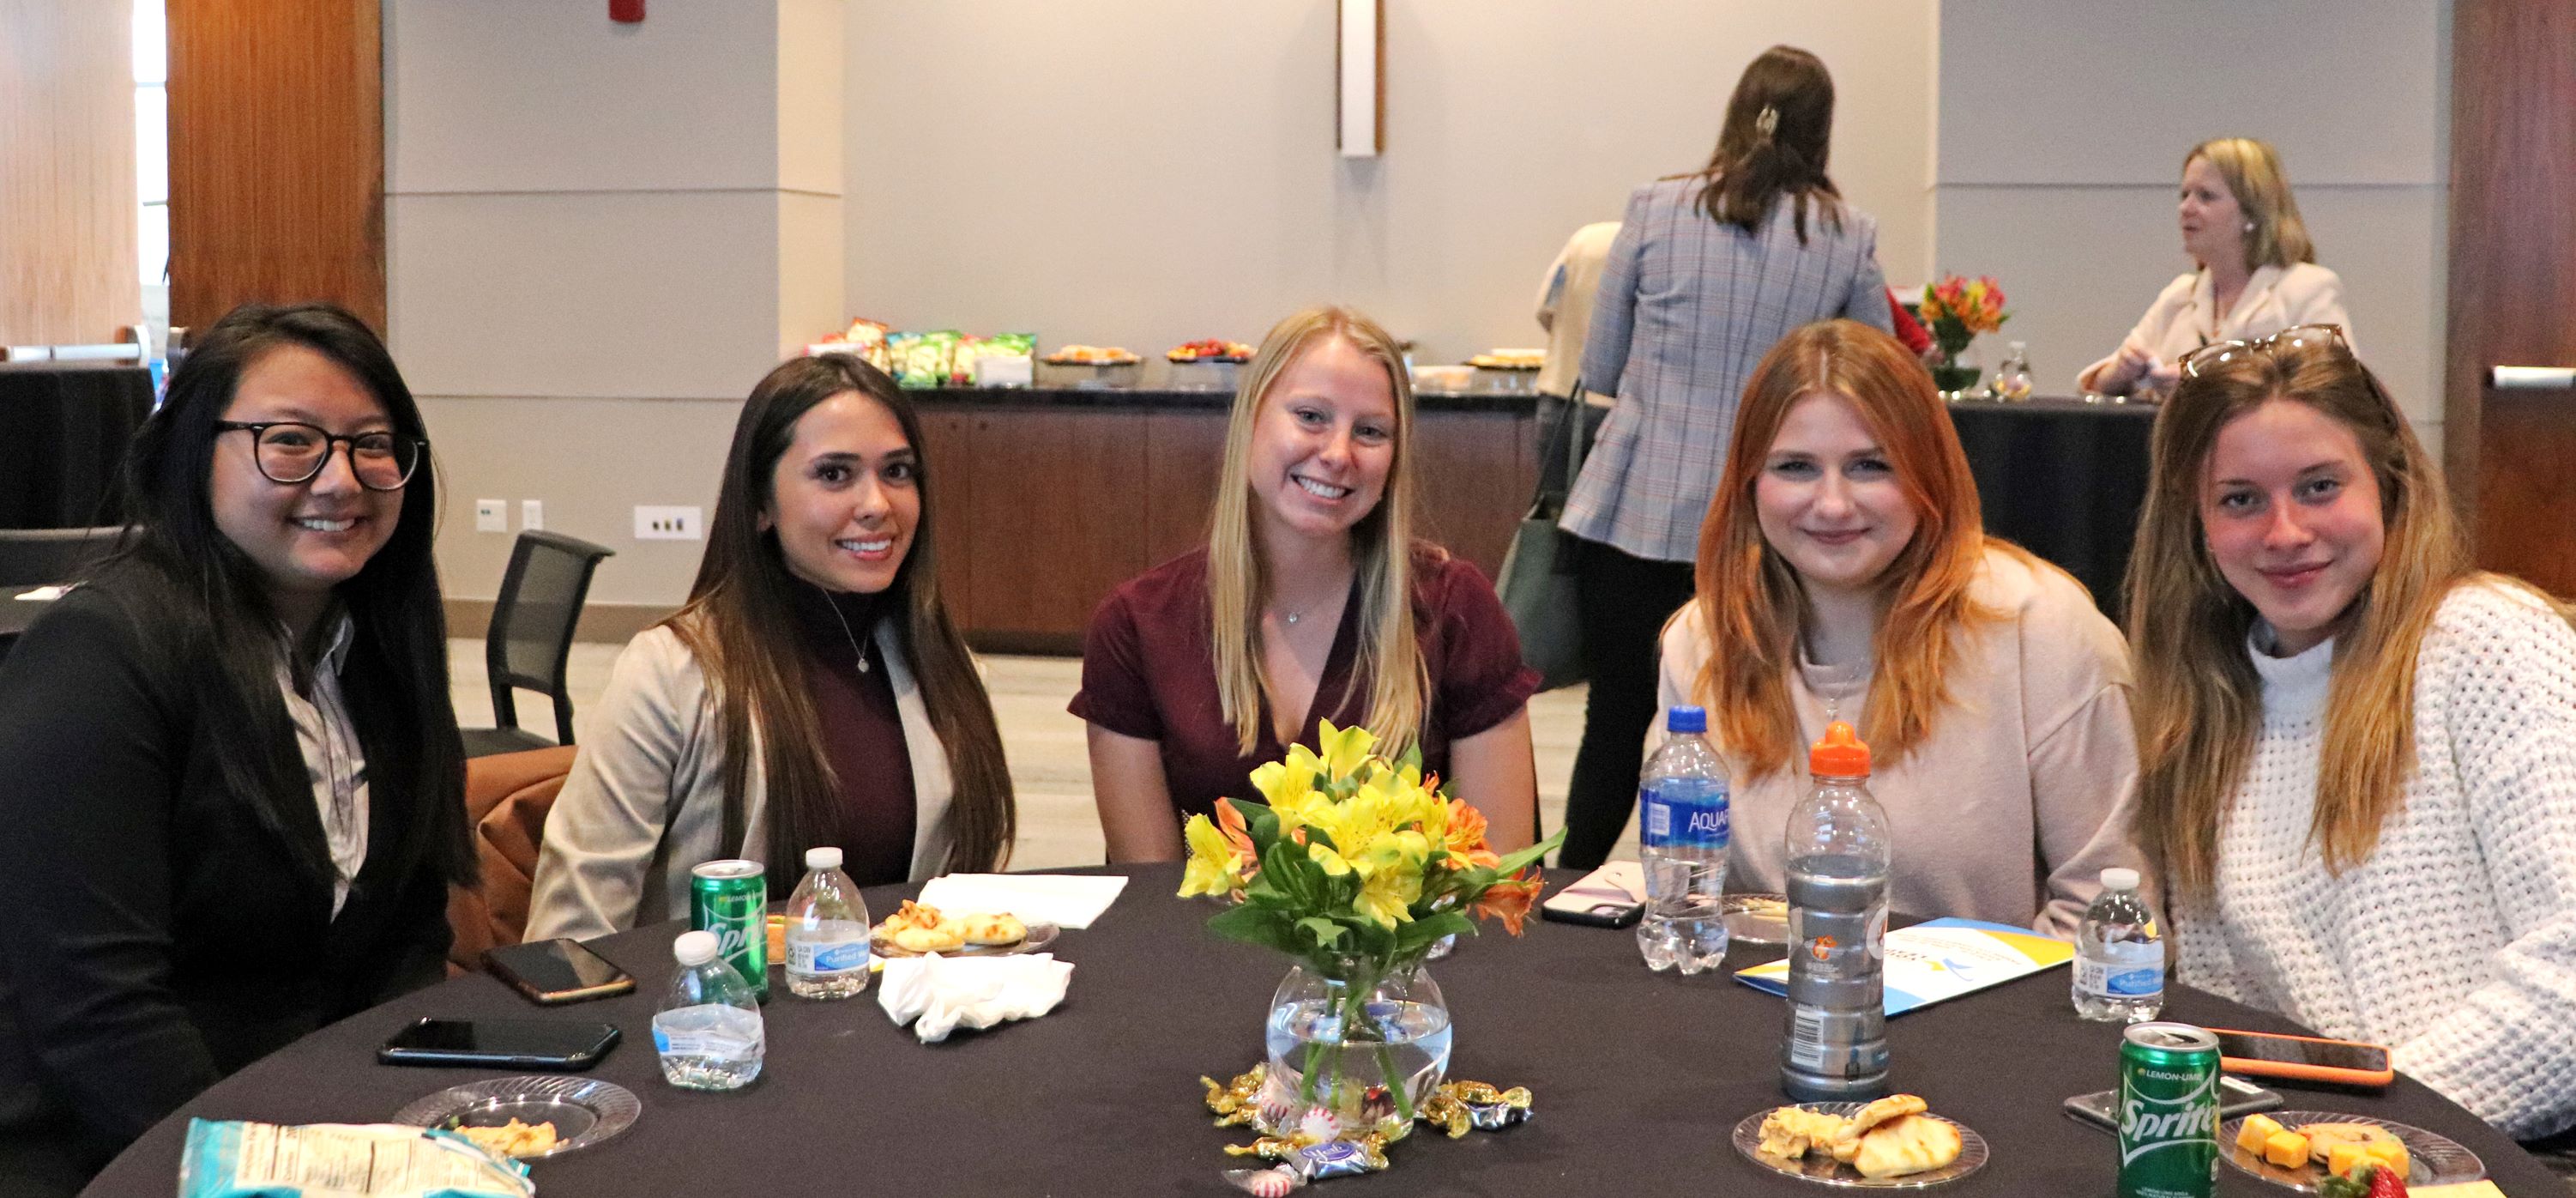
[[1844, 564], [2255, 272], [2360, 778], [1311, 601]]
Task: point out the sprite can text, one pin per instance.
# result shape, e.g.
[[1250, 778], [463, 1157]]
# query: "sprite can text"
[[2168, 1111], [731, 899]]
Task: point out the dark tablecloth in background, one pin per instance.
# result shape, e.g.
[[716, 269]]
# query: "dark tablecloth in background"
[[2064, 479], [63, 429], [1639, 1079]]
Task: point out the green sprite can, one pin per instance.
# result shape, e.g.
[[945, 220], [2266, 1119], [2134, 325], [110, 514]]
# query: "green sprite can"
[[2168, 1111], [731, 899]]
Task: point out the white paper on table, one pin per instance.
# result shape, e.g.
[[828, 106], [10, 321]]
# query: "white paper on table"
[[45, 594], [1065, 900], [938, 995]]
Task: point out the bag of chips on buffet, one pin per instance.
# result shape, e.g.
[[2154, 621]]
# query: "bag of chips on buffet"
[[341, 1160]]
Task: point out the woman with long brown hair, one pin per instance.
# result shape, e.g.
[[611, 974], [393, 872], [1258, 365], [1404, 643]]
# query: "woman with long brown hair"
[[1844, 570], [1708, 271], [2360, 753], [812, 692], [1311, 601]]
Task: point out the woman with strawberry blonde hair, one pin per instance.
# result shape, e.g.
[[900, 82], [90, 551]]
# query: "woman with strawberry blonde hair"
[[1844, 571]]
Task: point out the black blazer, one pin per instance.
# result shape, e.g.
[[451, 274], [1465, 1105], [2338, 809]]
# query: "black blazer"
[[162, 928]]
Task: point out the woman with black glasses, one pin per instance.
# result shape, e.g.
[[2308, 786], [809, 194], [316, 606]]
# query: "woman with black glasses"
[[230, 778]]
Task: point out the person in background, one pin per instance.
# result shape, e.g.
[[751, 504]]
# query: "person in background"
[[2254, 270], [1565, 314], [2360, 753], [229, 769], [1708, 271], [1843, 570], [813, 691], [1311, 601]]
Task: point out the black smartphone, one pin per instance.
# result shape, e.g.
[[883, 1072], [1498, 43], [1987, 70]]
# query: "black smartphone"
[[2236, 1097], [1613, 896], [509, 1043], [557, 971], [2304, 1058]]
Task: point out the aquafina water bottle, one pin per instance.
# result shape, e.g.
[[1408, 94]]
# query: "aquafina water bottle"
[[1682, 832], [708, 1029], [1838, 854], [2119, 958]]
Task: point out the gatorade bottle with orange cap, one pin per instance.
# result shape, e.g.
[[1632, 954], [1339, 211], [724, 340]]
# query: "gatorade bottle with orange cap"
[[1838, 855]]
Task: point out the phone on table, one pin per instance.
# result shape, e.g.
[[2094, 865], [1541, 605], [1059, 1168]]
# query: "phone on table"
[[507, 1043], [2236, 1096], [550, 972], [1613, 896], [2304, 1058]]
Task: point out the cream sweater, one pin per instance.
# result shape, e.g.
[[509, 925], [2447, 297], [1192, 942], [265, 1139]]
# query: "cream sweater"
[[2024, 791], [2455, 943]]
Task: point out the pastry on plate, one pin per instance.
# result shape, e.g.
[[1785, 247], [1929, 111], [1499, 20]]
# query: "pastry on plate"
[[928, 940], [1906, 1144], [1787, 1132], [1894, 1106], [992, 929]]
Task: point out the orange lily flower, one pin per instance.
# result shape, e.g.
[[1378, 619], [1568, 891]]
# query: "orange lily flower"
[[1510, 901], [1467, 835], [1238, 835]]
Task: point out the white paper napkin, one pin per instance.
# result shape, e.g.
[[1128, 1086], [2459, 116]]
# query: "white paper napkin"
[[45, 594], [1065, 900], [938, 995]]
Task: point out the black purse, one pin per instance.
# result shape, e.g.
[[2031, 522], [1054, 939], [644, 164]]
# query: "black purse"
[[1537, 586]]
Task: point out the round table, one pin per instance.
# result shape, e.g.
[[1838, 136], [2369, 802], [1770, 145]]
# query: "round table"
[[1638, 1078]]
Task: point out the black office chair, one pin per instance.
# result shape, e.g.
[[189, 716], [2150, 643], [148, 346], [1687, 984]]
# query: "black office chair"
[[530, 641], [43, 556]]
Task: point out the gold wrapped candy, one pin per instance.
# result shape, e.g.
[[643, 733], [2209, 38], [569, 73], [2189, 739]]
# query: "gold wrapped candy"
[[1454, 1107], [1238, 1101]]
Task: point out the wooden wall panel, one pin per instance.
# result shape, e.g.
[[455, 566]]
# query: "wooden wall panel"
[[2513, 281], [277, 158], [67, 198]]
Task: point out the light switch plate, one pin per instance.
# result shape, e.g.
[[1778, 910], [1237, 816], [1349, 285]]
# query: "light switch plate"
[[491, 515], [532, 515]]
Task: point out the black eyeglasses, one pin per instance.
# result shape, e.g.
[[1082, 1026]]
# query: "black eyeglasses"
[[290, 452], [2216, 352]]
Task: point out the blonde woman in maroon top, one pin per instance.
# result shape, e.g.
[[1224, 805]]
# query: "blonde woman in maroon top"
[[1311, 601]]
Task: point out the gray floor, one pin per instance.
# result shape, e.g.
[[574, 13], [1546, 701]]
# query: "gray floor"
[[1044, 744]]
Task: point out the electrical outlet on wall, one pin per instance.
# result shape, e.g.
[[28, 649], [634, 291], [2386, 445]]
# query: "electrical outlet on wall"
[[668, 524], [491, 515], [532, 515]]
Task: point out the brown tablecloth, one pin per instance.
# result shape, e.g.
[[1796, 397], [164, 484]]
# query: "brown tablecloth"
[[1638, 1078], [63, 429]]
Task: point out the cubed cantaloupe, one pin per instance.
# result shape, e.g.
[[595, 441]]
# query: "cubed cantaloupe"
[[2255, 1130], [2288, 1149], [2342, 1159], [2392, 1155]]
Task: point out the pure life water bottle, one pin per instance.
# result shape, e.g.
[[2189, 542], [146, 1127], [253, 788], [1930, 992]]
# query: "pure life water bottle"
[[1839, 855], [1681, 841]]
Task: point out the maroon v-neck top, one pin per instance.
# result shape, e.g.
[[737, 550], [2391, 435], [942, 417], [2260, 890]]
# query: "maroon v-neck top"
[[862, 738], [1147, 672]]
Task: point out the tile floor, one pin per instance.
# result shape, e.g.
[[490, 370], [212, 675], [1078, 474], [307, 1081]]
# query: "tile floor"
[[1044, 744]]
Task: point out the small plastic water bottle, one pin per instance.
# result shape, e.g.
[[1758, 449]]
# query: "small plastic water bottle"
[[2119, 958], [1682, 834], [1839, 853], [708, 1029], [827, 931]]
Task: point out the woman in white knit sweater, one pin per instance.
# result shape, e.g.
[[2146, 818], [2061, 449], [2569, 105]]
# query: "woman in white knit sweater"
[[2358, 754], [1843, 564]]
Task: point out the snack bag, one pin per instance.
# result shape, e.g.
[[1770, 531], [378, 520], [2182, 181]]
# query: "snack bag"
[[1006, 360], [341, 1160]]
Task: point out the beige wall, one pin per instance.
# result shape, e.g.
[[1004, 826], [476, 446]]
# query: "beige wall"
[[1153, 171], [67, 196], [2063, 128]]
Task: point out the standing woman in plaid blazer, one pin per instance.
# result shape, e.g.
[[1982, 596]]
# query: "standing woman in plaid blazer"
[[1709, 270]]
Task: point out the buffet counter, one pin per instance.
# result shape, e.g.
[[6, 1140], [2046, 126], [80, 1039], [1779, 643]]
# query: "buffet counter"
[[1052, 496]]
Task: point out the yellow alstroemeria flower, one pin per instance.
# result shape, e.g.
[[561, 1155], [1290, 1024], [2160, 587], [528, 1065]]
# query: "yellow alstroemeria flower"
[[1387, 895], [1343, 749], [1212, 865], [1284, 782]]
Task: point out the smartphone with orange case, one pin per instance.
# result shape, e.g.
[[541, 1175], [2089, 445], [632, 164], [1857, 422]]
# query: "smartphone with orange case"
[[2303, 1058]]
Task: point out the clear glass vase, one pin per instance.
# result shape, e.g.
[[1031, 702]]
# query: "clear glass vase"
[[1353, 1044]]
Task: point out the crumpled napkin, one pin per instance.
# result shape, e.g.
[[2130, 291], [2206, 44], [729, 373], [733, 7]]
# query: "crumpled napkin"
[[938, 995]]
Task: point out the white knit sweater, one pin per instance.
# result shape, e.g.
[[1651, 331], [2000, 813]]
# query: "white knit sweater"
[[2455, 943]]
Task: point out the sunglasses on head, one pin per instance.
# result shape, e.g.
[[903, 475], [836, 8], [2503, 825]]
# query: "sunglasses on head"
[[2296, 336]]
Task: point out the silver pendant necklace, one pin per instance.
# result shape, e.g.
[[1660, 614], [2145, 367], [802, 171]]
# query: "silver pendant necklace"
[[846, 634]]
